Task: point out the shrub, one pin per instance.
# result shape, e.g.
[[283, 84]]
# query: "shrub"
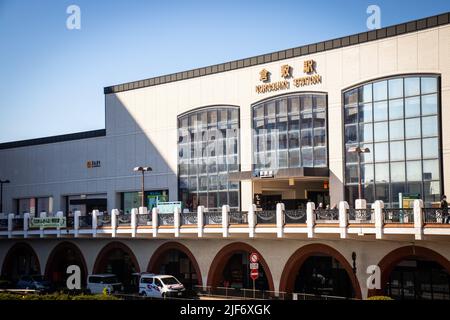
[[379, 298]]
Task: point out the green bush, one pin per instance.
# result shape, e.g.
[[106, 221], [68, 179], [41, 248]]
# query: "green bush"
[[379, 298], [54, 296]]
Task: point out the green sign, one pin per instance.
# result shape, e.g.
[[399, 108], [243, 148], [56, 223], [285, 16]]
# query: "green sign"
[[50, 222], [168, 207]]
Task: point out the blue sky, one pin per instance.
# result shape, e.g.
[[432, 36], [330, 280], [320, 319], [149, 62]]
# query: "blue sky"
[[52, 78]]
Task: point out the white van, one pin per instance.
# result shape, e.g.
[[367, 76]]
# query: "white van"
[[160, 286], [97, 282]]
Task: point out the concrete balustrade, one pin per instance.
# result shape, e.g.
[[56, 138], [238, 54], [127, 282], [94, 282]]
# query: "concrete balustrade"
[[343, 218], [310, 218], [251, 218], [133, 224], [95, 215], [60, 215], [200, 210], [114, 215], [76, 222], [176, 221], [378, 207], [26, 224], [280, 219], [418, 219]]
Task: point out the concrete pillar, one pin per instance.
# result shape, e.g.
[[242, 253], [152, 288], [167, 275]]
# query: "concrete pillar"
[[251, 218], [343, 218], [95, 214], [310, 218], [155, 221], [76, 222], [26, 224], [225, 211], [59, 215], [114, 214], [418, 219], [176, 222], [280, 220], [378, 207], [10, 224], [200, 210], [134, 212]]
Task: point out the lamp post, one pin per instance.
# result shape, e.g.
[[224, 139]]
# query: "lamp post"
[[143, 170], [2, 182], [358, 151]]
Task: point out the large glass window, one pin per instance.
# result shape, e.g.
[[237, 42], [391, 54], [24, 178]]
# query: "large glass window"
[[208, 150], [400, 117], [295, 135]]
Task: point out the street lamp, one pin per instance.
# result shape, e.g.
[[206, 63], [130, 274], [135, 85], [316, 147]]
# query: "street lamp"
[[2, 182], [143, 170], [358, 151]]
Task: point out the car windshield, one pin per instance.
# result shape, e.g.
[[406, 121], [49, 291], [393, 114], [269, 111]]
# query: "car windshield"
[[110, 280], [170, 280]]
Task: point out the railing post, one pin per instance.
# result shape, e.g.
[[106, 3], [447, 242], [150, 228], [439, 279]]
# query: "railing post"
[[418, 219], [379, 218], [59, 215], [155, 221], [251, 220], [343, 218], [41, 229], [310, 218], [95, 214], [134, 213], [10, 224], [26, 225], [114, 214], [176, 222], [76, 222], [280, 220], [225, 211], [200, 210]]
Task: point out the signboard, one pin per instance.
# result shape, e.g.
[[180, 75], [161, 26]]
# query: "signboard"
[[257, 200], [254, 258], [51, 222], [169, 207], [254, 273], [254, 265], [407, 199], [93, 164]]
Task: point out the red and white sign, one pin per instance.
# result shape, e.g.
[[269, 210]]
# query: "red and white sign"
[[254, 274], [254, 265], [254, 258]]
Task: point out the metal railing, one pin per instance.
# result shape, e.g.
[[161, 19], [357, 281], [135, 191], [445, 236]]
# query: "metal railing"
[[435, 215], [3, 224], [165, 219], [238, 217], [144, 219], [104, 220], [188, 218], [212, 217], [361, 215], [124, 219], [327, 215], [85, 221], [295, 216], [397, 215], [266, 217], [69, 222], [17, 223]]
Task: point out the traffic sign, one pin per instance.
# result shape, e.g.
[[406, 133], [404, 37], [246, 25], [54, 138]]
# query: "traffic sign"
[[254, 274], [254, 265], [254, 258]]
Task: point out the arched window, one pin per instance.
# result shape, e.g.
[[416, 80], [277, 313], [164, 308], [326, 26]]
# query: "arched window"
[[398, 120], [208, 150], [290, 132]]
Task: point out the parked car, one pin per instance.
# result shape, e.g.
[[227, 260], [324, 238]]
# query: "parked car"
[[34, 282], [97, 282], [160, 286]]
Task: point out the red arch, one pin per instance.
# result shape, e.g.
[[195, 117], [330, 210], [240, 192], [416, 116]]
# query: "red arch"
[[389, 261], [299, 257], [156, 259], [10, 254], [100, 262], [222, 257], [56, 251]]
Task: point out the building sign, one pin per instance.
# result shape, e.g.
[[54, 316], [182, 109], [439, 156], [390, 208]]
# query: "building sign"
[[310, 78], [51, 222], [168, 207], [93, 164]]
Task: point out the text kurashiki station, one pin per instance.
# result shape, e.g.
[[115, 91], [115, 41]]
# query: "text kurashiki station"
[[267, 154]]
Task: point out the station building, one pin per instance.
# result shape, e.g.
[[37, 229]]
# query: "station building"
[[251, 133]]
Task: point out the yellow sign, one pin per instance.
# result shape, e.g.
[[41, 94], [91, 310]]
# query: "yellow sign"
[[311, 78]]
